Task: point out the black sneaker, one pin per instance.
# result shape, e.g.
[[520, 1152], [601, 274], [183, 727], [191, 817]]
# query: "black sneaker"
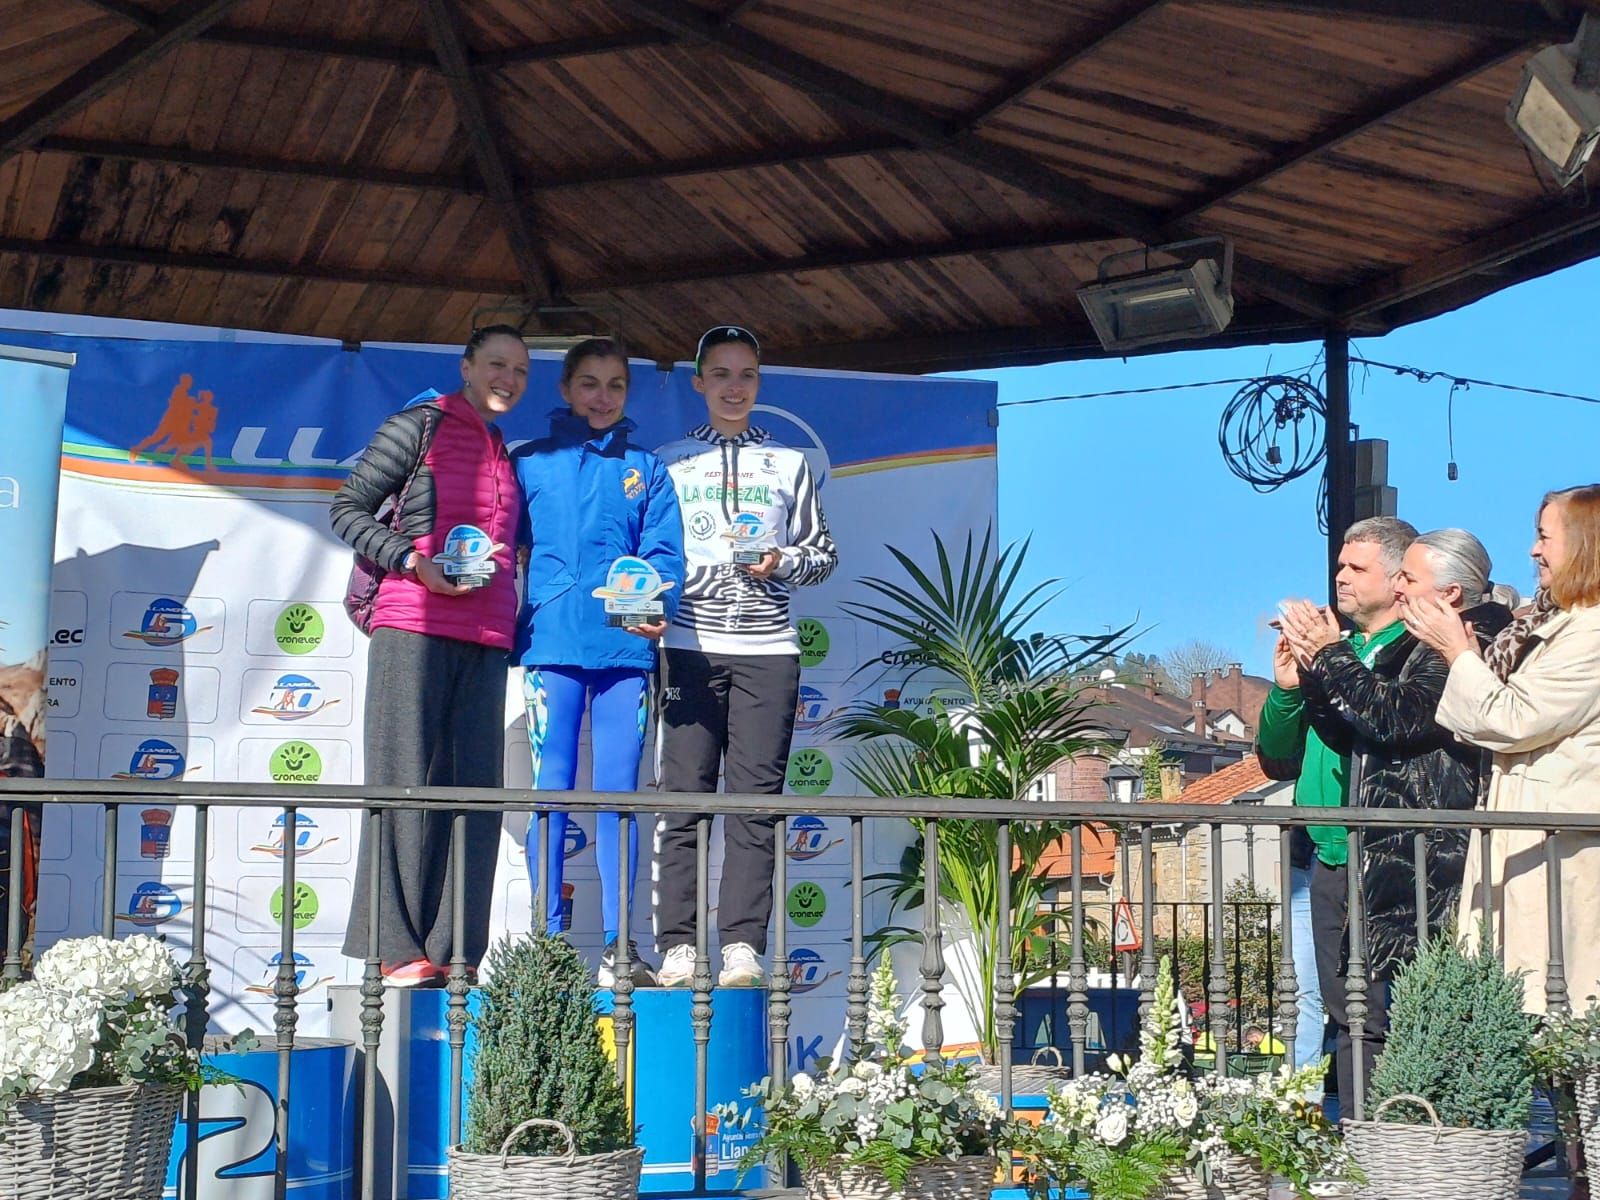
[[643, 973]]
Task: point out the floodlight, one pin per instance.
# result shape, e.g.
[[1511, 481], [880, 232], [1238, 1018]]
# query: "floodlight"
[[1556, 108], [1165, 304]]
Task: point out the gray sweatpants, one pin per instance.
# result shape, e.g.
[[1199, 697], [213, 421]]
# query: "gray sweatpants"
[[435, 718]]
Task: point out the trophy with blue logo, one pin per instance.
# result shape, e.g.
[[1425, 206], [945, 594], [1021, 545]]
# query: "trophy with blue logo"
[[630, 592], [751, 538], [468, 556]]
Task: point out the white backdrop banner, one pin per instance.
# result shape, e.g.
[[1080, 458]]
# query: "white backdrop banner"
[[198, 634]]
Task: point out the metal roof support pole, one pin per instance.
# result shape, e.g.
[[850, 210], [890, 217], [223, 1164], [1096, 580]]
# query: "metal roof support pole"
[[1341, 453]]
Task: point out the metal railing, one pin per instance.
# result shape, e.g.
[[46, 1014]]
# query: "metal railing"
[[1138, 819]]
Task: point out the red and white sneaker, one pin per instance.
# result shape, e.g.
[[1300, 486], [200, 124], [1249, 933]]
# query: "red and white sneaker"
[[419, 973]]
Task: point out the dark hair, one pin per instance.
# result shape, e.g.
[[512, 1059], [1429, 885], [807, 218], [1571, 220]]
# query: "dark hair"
[[595, 347], [722, 335], [484, 333]]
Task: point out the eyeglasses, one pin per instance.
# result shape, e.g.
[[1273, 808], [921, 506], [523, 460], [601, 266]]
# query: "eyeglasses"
[[721, 335]]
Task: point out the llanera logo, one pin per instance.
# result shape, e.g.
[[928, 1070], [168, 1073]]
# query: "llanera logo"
[[308, 837], [151, 904], [154, 760], [295, 762], [294, 698], [298, 629], [165, 623], [810, 837], [305, 976]]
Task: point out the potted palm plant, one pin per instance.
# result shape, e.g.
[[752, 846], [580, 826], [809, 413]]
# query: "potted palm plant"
[[1006, 708], [542, 1084]]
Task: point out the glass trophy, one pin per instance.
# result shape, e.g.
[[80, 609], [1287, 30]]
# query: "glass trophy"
[[467, 559], [630, 592], [752, 539]]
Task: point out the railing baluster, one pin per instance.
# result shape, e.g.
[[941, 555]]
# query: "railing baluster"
[[700, 1009], [1288, 983], [856, 985], [12, 971], [371, 1006], [1486, 887], [456, 985], [1555, 977], [541, 902], [1355, 988], [108, 901], [287, 989], [1147, 959], [779, 982], [622, 984], [1419, 861], [1077, 975], [196, 990], [1217, 989], [932, 953], [1005, 979]]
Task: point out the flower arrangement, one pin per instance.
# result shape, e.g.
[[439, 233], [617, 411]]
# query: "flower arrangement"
[[1126, 1132], [1566, 1046], [876, 1112], [97, 1013]]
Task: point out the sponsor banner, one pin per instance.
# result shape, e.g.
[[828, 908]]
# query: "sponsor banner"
[[197, 588]]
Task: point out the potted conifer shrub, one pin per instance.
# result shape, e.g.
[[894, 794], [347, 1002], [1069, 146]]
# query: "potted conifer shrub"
[[1457, 1064], [546, 1118]]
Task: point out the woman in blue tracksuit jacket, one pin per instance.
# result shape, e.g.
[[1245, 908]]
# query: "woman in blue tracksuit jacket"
[[592, 497]]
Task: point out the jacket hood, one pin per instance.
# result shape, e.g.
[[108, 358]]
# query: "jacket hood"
[[752, 436], [568, 428], [1488, 618]]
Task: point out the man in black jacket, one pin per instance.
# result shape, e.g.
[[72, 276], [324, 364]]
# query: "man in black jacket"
[[1400, 757]]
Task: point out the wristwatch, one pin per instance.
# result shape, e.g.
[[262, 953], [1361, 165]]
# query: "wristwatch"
[[408, 564]]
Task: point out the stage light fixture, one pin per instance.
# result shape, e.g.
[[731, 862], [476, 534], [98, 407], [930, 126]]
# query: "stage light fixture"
[[1191, 300], [1556, 108]]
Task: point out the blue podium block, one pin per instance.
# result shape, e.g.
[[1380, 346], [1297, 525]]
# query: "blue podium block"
[[236, 1146], [663, 1085]]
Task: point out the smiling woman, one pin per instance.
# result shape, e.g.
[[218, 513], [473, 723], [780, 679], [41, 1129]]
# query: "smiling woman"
[[441, 621]]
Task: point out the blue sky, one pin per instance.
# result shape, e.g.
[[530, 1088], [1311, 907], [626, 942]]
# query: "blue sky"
[[1129, 503]]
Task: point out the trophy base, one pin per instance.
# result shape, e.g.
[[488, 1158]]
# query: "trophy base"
[[469, 581], [748, 558], [629, 620]]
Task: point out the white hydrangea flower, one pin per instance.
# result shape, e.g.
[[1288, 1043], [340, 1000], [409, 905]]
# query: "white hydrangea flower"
[[803, 1085], [1112, 1127]]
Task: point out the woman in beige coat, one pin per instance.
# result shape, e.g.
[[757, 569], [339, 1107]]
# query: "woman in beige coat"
[[1533, 699]]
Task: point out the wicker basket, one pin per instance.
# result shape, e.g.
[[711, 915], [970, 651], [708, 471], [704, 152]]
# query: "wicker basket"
[[1586, 1090], [1033, 1079], [95, 1144], [1423, 1162], [569, 1176], [1236, 1178], [969, 1178]]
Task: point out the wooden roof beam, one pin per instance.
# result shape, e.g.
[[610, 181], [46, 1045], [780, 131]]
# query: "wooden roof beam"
[[487, 143], [1498, 18], [1009, 241], [384, 53], [1384, 108], [568, 48], [1015, 91], [180, 23], [717, 164], [928, 132], [171, 261], [215, 160], [134, 14], [734, 11]]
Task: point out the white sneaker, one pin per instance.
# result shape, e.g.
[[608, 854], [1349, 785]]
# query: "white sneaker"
[[741, 967], [677, 968]]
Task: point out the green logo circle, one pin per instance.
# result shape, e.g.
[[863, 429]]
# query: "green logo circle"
[[807, 902], [306, 905], [299, 629], [295, 762], [814, 641], [810, 773]]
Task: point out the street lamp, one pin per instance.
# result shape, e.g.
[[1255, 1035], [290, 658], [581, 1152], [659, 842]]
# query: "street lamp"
[[1164, 304]]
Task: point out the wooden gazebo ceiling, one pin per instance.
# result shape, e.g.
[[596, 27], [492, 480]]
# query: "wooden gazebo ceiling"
[[896, 184]]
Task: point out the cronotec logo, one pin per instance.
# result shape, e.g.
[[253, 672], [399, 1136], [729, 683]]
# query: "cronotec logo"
[[166, 623], [308, 837], [810, 773], [807, 903], [151, 904], [807, 971], [295, 762], [294, 698], [306, 905], [305, 976], [156, 760], [814, 641], [810, 837], [298, 629]]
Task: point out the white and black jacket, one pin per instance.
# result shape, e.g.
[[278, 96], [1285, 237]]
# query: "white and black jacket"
[[726, 610]]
